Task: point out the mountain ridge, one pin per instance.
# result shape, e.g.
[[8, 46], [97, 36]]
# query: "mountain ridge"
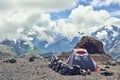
[[109, 35]]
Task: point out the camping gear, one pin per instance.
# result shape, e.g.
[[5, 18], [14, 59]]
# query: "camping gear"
[[81, 58]]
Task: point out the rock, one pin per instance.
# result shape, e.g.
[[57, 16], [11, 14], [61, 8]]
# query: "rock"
[[83, 73], [88, 72], [55, 63], [11, 61], [118, 62], [112, 63], [107, 66], [91, 44], [31, 59], [76, 70], [102, 69], [58, 66], [65, 70], [106, 73]]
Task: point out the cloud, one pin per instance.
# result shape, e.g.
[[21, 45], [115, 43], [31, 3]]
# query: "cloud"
[[113, 21], [22, 19], [41, 5], [43, 28], [84, 19], [13, 23], [87, 18], [104, 2], [67, 28]]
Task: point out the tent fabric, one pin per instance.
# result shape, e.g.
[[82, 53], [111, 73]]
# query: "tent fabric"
[[82, 60]]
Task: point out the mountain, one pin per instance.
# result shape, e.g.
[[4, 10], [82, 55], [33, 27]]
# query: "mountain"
[[6, 50], [115, 50], [59, 45], [110, 36], [19, 47]]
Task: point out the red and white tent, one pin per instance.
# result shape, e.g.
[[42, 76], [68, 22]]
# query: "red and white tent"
[[80, 57]]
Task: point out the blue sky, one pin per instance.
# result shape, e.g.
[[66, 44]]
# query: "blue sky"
[[44, 19], [111, 8]]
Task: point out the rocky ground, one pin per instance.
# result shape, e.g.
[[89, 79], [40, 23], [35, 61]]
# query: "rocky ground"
[[25, 68]]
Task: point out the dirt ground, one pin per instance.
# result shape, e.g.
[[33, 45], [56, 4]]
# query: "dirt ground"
[[38, 70]]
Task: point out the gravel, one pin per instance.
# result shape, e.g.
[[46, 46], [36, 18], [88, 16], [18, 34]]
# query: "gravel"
[[39, 70]]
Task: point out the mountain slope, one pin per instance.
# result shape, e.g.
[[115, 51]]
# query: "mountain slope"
[[59, 45], [6, 50], [20, 47], [110, 36]]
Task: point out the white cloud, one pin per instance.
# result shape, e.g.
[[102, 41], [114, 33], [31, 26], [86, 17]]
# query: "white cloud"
[[67, 29], [88, 20], [12, 23], [85, 19], [17, 15], [102, 35], [50, 5], [104, 2], [113, 21], [43, 29]]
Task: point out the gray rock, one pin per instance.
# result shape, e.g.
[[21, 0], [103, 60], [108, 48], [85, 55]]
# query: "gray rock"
[[106, 73], [31, 59], [10, 61], [112, 63]]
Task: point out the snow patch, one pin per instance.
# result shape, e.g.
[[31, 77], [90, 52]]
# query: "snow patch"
[[102, 34]]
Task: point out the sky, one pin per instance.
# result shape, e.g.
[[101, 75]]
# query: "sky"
[[50, 19]]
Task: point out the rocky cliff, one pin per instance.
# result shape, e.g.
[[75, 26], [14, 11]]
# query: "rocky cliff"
[[91, 44]]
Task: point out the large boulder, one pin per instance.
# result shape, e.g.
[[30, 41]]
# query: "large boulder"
[[91, 44]]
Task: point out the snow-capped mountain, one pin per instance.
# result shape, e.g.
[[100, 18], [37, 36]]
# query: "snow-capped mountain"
[[60, 45], [19, 47], [110, 36]]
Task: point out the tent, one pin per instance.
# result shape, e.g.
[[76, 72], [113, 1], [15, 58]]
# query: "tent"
[[81, 58]]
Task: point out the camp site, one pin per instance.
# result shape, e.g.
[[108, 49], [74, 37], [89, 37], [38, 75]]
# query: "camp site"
[[59, 39]]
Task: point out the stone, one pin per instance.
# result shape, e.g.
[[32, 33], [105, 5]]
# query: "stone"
[[76, 70], [58, 67], [88, 72], [102, 69], [91, 44], [31, 59], [83, 73], [107, 66], [10, 61], [65, 70], [112, 63], [106, 73]]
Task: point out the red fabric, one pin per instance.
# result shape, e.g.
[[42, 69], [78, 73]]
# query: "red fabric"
[[96, 69], [81, 52]]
